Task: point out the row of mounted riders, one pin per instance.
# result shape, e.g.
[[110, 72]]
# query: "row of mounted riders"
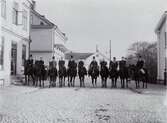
[[38, 73]]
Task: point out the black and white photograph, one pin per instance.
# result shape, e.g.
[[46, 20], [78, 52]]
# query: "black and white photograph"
[[83, 61]]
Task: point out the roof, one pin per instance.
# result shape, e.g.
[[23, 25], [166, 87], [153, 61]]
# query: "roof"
[[41, 27], [42, 17], [77, 55], [99, 53], [161, 22], [48, 26], [61, 47]]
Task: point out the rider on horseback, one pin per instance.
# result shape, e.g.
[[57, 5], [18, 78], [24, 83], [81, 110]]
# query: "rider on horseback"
[[122, 66], [82, 72], [94, 71], [104, 73], [141, 73], [113, 72], [62, 72], [72, 71], [53, 72], [28, 70], [93, 63], [140, 64]]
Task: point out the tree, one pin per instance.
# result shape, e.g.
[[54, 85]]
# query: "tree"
[[148, 51]]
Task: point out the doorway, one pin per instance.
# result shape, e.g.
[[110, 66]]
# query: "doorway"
[[14, 59]]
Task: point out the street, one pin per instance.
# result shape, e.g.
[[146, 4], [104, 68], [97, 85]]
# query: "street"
[[20, 104]]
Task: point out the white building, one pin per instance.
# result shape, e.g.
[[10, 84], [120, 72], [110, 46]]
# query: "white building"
[[47, 39], [14, 43], [161, 30], [87, 57]]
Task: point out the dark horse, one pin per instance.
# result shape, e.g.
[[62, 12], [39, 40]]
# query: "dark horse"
[[62, 75], [81, 73], [72, 73], [39, 71], [141, 75], [53, 76], [28, 72], [113, 74], [123, 73], [104, 72], [94, 73]]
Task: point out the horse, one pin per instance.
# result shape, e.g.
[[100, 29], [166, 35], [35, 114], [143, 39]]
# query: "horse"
[[38, 72], [72, 73], [141, 75], [104, 72], [113, 74], [28, 72], [122, 77], [94, 73], [81, 73], [62, 75], [52, 72]]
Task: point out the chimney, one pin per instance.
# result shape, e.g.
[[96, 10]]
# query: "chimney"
[[33, 5]]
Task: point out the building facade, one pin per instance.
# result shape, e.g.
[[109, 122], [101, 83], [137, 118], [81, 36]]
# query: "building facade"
[[47, 39], [160, 31], [87, 57], [15, 33]]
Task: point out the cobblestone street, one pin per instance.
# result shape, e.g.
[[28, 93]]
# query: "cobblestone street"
[[21, 104]]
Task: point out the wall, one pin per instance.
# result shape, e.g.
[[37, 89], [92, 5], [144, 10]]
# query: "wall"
[[161, 51], [41, 39], [16, 34]]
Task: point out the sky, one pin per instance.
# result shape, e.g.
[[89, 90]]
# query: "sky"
[[88, 23]]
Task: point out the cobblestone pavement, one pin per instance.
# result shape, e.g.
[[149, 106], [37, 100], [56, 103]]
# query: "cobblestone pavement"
[[20, 104]]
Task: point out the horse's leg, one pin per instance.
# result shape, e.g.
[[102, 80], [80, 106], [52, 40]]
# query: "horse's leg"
[[106, 82], [60, 81], [146, 81], [64, 80], [102, 82], [74, 81], [93, 81], [126, 82], [83, 81], [37, 81], [112, 82], [143, 82], [96, 81], [80, 78], [43, 82], [115, 85], [33, 79], [25, 78]]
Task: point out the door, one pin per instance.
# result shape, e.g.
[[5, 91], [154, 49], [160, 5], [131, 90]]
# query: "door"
[[14, 59]]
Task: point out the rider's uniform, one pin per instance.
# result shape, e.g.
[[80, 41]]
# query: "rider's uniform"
[[140, 65], [93, 64], [61, 63], [113, 65], [122, 64]]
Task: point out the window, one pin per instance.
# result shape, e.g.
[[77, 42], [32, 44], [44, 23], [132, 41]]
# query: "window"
[[31, 19], [2, 52], [23, 54], [15, 13], [25, 20], [3, 8]]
